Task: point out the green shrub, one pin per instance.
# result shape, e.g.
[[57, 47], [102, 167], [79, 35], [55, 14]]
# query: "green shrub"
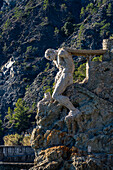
[[80, 35], [19, 119], [27, 87], [18, 13], [46, 4], [34, 67], [9, 118], [26, 140], [7, 24], [12, 140], [104, 1], [25, 79], [56, 31], [109, 10], [21, 115], [82, 14], [99, 4], [105, 29], [68, 28], [63, 7], [16, 139], [28, 49], [111, 36], [89, 7], [47, 67], [47, 88], [80, 73], [44, 21], [98, 58]]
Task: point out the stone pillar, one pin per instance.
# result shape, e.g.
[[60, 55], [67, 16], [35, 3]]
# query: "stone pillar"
[[88, 67], [105, 44], [108, 45]]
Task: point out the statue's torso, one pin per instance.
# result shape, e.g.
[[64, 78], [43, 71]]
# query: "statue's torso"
[[66, 63]]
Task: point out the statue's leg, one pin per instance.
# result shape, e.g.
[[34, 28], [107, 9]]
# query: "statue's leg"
[[60, 87], [64, 81]]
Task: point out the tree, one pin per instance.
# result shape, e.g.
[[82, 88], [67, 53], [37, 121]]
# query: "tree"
[[46, 4], [89, 7], [8, 119], [68, 28], [21, 116], [104, 1], [80, 72], [19, 119], [105, 30], [82, 14]]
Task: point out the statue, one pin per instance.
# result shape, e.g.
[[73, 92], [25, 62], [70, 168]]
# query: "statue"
[[64, 62]]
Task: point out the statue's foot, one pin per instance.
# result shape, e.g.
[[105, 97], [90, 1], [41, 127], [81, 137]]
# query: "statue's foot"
[[72, 114], [70, 120]]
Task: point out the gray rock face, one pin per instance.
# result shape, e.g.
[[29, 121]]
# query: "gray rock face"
[[101, 82], [14, 78], [93, 128]]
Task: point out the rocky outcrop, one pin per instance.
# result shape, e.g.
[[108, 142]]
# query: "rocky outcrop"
[[63, 158], [93, 128], [77, 141]]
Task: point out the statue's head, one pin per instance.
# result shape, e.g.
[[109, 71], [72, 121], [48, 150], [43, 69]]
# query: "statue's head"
[[51, 54]]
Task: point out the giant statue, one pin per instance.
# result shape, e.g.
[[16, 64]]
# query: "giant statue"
[[64, 62]]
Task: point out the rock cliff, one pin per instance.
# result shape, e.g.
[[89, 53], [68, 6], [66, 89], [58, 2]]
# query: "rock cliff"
[[29, 27], [88, 142]]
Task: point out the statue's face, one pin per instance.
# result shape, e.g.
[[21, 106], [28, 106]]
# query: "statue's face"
[[50, 54]]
